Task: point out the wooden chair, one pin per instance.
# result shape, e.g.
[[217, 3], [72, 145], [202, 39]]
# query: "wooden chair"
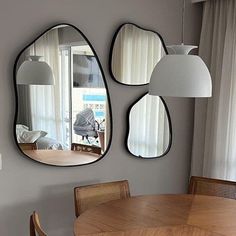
[[28, 146], [35, 228], [85, 148], [212, 187], [92, 195]]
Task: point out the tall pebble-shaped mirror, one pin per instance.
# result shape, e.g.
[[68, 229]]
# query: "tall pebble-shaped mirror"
[[134, 54], [149, 134], [63, 114]]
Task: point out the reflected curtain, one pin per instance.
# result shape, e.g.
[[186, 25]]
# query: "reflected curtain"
[[23, 95], [215, 121], [46, 111], [149, 128], [135, 54]]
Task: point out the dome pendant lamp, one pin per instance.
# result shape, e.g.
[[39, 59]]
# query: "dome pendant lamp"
[[181, 74], [35, 72]]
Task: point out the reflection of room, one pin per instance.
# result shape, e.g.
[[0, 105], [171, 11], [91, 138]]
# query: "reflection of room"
[[71, 112], [88, 95]]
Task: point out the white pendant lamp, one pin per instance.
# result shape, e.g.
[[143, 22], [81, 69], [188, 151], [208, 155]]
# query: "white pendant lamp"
[[35, 72], [180, 74]]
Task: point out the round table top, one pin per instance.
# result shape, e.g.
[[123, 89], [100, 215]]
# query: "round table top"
[[182, 215], [62, 157]]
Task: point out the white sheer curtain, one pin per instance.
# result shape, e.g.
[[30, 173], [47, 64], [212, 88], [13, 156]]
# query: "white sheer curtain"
[[149, 128], [135, 54], [218, 49], [46, 103]]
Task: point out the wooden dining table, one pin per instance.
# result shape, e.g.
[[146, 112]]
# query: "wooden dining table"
[[62, 157], [160, 215]]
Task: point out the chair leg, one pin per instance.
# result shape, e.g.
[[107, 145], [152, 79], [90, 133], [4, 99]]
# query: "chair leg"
[[87, 139], [32, 230]]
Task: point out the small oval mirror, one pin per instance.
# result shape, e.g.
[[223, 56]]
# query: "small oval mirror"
[[63, 114], [150, 132], [134, 54]]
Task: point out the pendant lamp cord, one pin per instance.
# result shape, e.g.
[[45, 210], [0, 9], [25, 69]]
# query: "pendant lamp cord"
[[34, 49], [183, 22]]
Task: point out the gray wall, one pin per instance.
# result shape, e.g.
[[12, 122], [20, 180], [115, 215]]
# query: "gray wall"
[[26, 185]]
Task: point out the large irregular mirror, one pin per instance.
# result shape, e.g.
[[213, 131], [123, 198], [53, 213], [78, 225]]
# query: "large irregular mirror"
[[63, 114], [134, 54], [150, 132]]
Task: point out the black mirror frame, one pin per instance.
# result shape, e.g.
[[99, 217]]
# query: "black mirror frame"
[[112, 47], [128, 128], [16, 95]]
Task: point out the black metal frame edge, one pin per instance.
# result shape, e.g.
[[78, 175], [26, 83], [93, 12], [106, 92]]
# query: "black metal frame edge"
[[128, 128], [112, 47], [16, 95]]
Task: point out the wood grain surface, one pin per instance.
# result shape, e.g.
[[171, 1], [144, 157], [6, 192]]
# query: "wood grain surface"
[[177, 215], [62, 157]]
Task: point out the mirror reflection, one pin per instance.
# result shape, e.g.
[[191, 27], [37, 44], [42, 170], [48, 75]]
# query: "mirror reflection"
[[63, 115], [134, 54], [149, 128]]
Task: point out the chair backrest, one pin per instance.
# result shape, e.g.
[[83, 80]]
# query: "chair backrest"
[[212, 187], [35, 227], [92, 195], [85, 148], [28, 146]]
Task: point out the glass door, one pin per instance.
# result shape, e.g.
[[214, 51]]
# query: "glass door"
[[83, 97], [88, 97]]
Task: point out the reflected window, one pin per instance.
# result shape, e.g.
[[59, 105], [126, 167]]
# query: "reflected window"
[[149, 128], [135, 53]]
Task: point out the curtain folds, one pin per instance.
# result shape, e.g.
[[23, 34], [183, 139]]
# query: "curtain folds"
[[214, 144], [23, 93], [46, 110], [149, 127], [136, 47]]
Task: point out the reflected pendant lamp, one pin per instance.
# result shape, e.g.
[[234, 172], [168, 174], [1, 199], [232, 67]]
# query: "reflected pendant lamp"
[[35, 72], [181, 74]]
